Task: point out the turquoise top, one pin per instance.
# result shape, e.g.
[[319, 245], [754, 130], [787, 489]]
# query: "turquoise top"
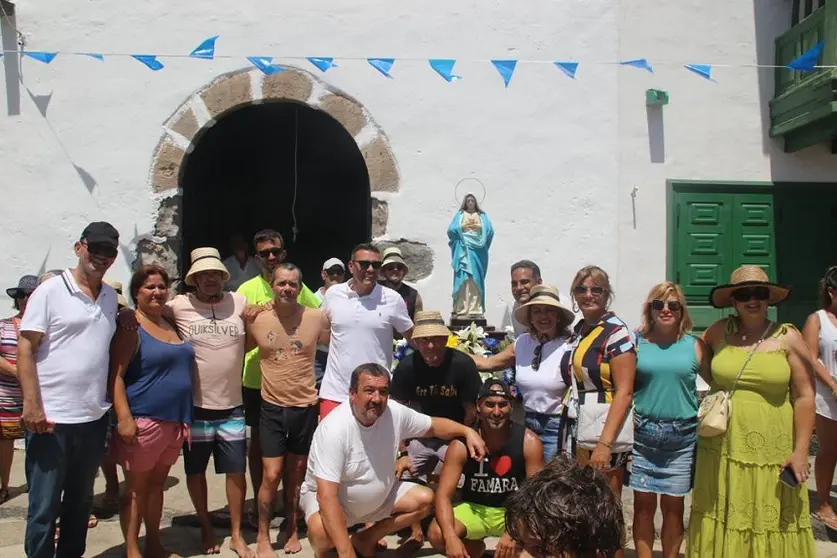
[[666, 380]]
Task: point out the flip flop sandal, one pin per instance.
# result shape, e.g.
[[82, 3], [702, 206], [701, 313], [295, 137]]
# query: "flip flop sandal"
[[830, 523], [4, 495]]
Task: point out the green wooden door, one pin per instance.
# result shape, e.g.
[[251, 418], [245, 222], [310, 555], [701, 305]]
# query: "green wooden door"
[[806, 246], [716, 233]]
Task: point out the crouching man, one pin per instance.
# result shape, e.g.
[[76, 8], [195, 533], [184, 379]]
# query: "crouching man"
[[515, 453], [354, 467]]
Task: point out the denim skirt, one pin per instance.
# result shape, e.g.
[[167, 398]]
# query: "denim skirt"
[[664, 455]]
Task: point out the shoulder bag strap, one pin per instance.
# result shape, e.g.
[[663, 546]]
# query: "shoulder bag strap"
[[749, 356]]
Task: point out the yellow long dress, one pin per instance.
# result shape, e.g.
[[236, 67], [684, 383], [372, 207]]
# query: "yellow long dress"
[[739, 507]]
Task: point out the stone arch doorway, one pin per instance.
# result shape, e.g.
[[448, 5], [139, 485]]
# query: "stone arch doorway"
[[226, 164]]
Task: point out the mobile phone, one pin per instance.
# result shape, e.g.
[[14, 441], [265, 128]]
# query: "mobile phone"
[[788, 477]]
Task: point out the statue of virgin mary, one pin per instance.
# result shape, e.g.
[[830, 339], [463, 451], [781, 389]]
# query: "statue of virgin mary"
[[469, 237]]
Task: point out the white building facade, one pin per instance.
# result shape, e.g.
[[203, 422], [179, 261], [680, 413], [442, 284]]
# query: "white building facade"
[[576, 171]]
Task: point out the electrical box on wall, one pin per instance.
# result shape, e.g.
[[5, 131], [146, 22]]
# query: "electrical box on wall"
[[656, 97]]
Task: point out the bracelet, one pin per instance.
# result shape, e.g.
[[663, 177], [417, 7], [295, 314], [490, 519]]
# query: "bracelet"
[[605, 444]]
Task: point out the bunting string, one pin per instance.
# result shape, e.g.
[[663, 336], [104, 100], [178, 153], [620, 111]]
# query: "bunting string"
[[805, 62]]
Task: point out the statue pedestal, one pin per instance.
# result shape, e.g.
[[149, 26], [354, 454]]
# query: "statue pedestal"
[[460, 323]]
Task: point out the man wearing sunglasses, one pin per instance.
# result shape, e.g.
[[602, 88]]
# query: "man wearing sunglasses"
[[362, 315], [270, 251], [63, 358], [393, 271]]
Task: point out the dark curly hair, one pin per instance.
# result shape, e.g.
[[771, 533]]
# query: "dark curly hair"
[[828, 281], [566, 510]]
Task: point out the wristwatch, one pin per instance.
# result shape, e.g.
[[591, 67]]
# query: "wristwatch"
[[402, 453]]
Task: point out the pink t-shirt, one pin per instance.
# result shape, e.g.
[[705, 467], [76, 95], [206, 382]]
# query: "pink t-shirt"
[[216, 332]]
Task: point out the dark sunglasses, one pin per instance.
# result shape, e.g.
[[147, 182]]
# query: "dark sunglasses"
[[744, 295], [23, 296], [673, 305], [365, 264], [335, 271], [102, 250], [595, 291], [267, 252]]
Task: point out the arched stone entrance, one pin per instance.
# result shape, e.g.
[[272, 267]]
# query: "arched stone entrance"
[[219, 100]]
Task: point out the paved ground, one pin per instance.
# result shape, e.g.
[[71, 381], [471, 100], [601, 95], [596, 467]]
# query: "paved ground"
[[106, 539]]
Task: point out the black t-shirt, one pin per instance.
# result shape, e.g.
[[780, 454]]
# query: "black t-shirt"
[[440, 391]]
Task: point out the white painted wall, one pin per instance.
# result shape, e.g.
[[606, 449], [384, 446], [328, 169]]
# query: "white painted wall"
[[559, 157]]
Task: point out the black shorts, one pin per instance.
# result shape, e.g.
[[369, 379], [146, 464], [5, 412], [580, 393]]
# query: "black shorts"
[[286, 429], [252, 399]]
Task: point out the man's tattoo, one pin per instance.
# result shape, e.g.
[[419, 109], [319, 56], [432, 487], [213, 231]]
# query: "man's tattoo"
[[265, 510]]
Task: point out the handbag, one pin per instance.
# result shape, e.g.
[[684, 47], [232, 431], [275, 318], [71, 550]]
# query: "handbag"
[[715, 409], [591, 416]]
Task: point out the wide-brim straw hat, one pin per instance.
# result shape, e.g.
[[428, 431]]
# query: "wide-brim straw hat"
[[117, 286], [205, 259], [544, 295], [429, 323], [747, 276]]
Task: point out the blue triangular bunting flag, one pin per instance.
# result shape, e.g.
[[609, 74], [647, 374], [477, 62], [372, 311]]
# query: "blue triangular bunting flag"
[[323, 64], [206, 49], [45, 57], [808, 60], [383, 65], [265, 64], [703, 70], [149, 60], [506, 69], [640, 63], [569, 68], [95, 55], [444, 68]]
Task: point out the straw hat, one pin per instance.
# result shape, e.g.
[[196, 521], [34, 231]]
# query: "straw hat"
[[544, 295], [747, 276], [429, 323], [393, 255], [117, 286], [205, 259]]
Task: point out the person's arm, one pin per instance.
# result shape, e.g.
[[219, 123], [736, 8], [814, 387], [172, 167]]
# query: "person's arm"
[[501, 360], [811, 335], [325, 331], [7, 368], [400, 319], [122, 349], [704, 358], [623, 373], [33, 407], [802, 392], [455, 460], [334, 520], [469, 383], [532, 453], [448, 430], [419, 303], [250, 342]]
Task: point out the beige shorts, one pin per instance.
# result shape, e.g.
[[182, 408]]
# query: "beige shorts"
[[310, 506]]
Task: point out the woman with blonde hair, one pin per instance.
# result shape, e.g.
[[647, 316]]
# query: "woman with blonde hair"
[[669, 360], [603, 361], [820, 333], [752, 499]]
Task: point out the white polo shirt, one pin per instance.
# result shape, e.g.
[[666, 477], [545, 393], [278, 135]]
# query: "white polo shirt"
[[74, 355], [361, 332]]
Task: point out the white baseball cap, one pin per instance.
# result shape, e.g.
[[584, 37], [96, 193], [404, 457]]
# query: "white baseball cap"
[[331, 262]]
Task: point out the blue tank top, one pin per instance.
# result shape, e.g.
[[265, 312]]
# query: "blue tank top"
[[666, 380], [159, 380]]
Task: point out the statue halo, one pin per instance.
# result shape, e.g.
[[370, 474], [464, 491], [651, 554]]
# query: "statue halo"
[[459, 198]]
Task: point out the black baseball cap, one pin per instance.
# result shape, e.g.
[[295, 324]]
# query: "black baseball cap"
[[494, 387], [101, 232]]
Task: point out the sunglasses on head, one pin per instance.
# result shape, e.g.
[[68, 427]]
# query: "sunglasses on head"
[[744, 295], [595, 291], [268, 251], [673, 305], [366, 264], [102, 250]]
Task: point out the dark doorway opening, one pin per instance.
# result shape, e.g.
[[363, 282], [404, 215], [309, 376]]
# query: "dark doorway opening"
[[269, 166]]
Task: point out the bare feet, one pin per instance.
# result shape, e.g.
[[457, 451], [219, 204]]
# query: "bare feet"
[[264, 549], [411, 544], [239, 546], [209, 544], [292, 544], [157, 550]]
